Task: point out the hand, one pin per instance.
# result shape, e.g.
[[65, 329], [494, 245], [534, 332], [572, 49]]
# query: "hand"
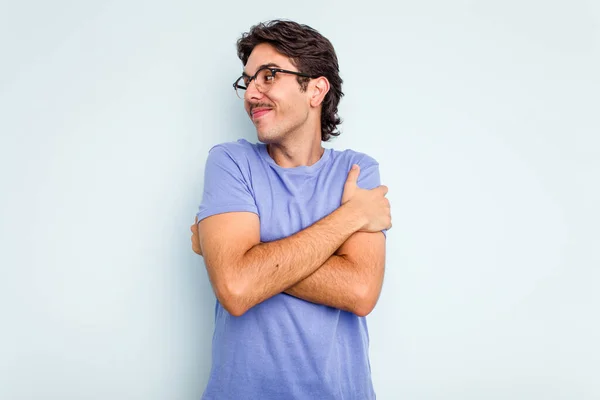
[[372, 204], [196, 238]]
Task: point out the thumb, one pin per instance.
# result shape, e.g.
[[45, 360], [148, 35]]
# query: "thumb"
[[353, 175]]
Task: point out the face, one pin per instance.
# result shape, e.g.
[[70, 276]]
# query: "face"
[[284, 109]]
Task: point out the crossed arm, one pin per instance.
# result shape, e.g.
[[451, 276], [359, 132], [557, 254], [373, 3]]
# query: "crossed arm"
[[351, 278], [330, 263]]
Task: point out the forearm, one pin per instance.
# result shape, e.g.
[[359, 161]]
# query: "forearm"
[[350, 280], [336, 284], [270, 268]]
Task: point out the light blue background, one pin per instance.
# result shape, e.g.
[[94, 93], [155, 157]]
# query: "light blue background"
[[484, 117]]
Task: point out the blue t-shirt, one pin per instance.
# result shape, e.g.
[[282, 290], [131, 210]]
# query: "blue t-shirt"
[[285, 348]]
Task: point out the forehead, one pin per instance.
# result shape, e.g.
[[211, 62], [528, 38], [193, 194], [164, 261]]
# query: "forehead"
[[264, 54]]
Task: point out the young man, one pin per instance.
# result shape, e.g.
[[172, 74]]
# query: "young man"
[[292, 234]]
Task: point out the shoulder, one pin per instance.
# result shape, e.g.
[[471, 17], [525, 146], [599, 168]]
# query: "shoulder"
[[240, 153], [369, 176], [349, 157], [240, 148]]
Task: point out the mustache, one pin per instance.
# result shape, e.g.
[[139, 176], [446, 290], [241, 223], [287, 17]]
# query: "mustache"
[[259, 105]]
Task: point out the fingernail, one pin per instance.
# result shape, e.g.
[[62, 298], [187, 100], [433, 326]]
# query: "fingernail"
[[354, 166]]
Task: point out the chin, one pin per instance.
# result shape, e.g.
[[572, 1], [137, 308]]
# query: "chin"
[[267, 136]]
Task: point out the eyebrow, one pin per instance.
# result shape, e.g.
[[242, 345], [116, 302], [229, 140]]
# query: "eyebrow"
[[271, 64]]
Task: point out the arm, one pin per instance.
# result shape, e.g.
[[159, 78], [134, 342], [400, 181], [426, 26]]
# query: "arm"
[[351, 279], [245, 272]]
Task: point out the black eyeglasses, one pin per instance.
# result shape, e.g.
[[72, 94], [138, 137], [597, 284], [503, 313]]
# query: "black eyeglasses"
[[263, 79]]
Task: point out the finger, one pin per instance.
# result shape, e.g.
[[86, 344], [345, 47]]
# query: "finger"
[[353, 174], [196, 220], [383, 189]]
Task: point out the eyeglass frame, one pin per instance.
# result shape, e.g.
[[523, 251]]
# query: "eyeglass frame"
[[273, 70]]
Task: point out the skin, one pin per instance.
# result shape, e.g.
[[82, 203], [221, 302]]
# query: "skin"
[[292, 129], [338, 261]]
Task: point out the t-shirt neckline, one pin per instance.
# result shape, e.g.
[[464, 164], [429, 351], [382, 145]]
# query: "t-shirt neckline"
[[304, 169]]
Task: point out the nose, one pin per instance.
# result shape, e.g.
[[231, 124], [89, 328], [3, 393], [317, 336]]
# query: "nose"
[[252, 92]]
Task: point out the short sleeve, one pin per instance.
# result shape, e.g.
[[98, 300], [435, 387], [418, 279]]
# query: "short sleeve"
[[225, 188], [369, 176]]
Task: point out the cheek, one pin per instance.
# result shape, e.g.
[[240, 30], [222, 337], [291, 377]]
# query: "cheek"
[[289, 104], [293, 103]]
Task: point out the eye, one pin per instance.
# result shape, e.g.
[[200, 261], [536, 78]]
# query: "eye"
[[265, 77]]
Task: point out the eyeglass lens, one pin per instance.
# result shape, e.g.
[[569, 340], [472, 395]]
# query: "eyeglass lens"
[[263, 81]]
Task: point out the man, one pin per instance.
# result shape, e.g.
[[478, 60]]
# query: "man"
[[292, 234]]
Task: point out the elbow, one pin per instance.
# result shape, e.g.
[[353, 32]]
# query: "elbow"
[[363, 309], [229, 289], [366, 300], [232, 298], [234, 309], [368, 289]]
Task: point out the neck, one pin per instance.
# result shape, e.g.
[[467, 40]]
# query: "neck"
[[296, 153]]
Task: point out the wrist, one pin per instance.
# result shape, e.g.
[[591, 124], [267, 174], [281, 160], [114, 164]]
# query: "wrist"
[[356, 218]]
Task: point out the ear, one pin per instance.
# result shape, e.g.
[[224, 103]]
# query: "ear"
[[319, 88]]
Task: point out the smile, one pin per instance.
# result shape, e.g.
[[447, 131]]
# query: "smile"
[[257, 113]]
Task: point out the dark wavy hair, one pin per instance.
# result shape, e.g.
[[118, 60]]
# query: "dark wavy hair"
[[310, 52]]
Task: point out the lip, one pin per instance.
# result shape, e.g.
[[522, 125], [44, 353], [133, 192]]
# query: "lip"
[[259, 112]]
